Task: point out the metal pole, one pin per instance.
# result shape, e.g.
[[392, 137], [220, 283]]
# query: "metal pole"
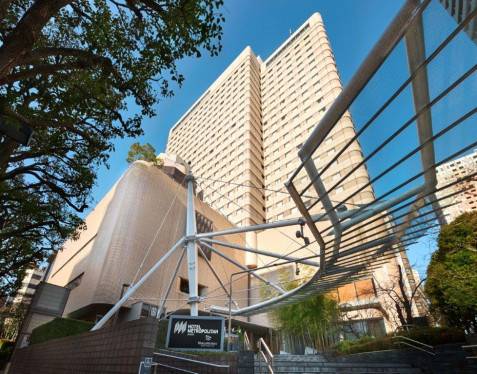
[[230, 303], [261, 252], [230, 312], [239, 265], [191, 231], [134, 288], [368, 68], [416, 55], [116, 315], [169, 287], [216, 275]]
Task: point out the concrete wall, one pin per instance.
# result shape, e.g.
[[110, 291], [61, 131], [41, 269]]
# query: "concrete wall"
[[144, 214]]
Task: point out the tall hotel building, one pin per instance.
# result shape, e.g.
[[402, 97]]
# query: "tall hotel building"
[[464, 194], [242, 136], [245, 130]]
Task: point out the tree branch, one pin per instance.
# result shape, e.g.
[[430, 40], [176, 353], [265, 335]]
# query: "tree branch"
[[47, 69], [40, 53], [4, 5], [20, 41]]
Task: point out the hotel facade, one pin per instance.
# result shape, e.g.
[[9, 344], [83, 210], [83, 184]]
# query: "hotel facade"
[[462, 196], [241, 138]]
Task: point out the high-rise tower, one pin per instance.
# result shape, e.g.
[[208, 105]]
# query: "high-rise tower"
[[242, 136]]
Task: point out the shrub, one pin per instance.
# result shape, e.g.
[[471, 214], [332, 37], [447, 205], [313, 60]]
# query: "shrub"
[[364, 344], [6, 350], [436, 335], [427, 335], [451, 275], [59, 328], [162, 334], [5, 343]]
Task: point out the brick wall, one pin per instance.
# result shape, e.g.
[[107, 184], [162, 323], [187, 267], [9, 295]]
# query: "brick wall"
[[109, 350]]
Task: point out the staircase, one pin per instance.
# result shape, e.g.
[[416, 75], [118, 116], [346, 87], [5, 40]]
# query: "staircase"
[[318, 364], [445, 359]]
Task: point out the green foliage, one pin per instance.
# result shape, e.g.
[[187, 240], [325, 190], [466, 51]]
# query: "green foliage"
[[427, 335], [80, 73], [5, 343], [364, 344], [6, 350], [313, 315], [436, 335], [162, 334], [14, 315], [59, 328], [314, 318], [144, 152], [452, 273]]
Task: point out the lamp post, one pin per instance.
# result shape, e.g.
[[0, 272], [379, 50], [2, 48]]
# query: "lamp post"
[[230, 291], [230, 307]]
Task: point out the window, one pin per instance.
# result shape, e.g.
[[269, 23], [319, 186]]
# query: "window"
[[75, 282], [36, 276], [184, 287], [204, 225]]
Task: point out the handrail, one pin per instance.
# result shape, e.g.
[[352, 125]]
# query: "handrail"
[[174, 368], [472, 347], [164, 350], [246, 340], [194, 361], [429, 349], [268, 360], [269, 366], [262, 342], [414, 341]]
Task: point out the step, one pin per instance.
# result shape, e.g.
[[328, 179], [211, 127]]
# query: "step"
[[347, 370], [316, 364], [334, 364]]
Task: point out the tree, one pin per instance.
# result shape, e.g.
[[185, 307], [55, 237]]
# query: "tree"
[[80, 73], [399, 299], [312, 322], [13, 317], [144, 152], [452, 273]]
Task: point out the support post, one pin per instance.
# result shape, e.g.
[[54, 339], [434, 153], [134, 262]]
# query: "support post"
[[191, 231], [416, 55]]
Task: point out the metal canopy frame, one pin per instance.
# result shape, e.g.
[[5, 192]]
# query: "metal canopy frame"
[[393, 222]]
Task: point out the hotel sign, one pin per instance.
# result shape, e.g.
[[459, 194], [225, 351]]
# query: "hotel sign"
[[195, 333]]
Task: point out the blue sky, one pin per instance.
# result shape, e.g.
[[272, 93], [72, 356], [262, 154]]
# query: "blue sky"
[[353, 27]]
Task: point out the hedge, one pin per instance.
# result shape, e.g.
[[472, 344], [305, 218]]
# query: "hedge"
[[59, 328], [427, 335]]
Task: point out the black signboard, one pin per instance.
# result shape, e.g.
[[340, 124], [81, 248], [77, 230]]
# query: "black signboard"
[[195, 333]]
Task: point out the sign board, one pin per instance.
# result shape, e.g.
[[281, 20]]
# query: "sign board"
[[195, 333]]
